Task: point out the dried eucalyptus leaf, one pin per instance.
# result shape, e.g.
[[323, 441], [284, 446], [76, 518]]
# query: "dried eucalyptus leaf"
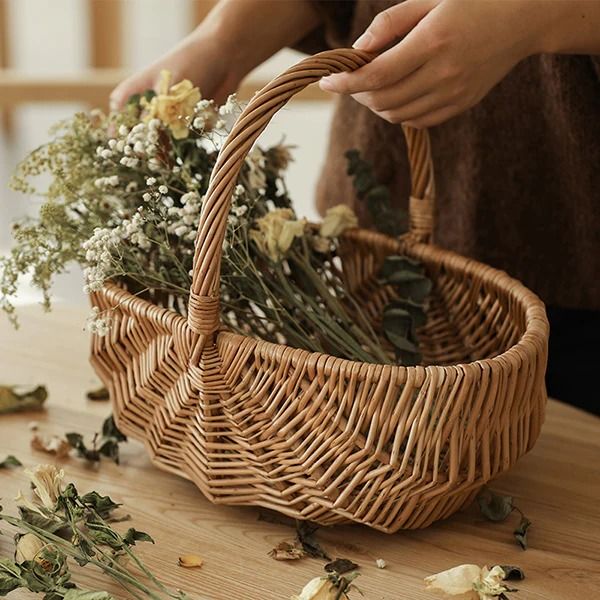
[[512, 573], [397, 321], [520, 532], [10, 461], [415, 309], [103, 505], [340, 566], [37, 519], [133, 535], [16, 399], [396, 264], [413, 286], [494, 507], [98, 395], [401, 343], [305, 531], [110, 430], [287, 551]]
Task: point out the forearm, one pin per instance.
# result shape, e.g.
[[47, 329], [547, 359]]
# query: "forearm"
[[253, 30], [574, 27]]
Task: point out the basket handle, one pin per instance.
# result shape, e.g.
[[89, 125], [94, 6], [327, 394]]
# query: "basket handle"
[[203, 307]]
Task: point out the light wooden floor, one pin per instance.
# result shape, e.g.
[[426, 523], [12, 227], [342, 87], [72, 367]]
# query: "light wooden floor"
[[557, 486]]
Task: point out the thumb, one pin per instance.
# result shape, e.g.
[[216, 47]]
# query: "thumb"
[[393, 23]]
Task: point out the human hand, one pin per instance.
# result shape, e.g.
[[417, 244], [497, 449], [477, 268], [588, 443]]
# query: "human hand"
[[453, 53], [198, 58]]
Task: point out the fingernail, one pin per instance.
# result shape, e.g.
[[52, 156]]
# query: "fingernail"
[[364, 41], [327, 84]]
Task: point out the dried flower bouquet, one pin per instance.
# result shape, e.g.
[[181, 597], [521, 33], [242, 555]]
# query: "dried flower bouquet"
[[125, 194]]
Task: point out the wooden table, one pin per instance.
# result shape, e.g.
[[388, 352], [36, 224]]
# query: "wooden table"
[[557, 486]]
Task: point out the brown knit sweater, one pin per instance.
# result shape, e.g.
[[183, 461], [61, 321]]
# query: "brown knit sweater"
[[517, 176]]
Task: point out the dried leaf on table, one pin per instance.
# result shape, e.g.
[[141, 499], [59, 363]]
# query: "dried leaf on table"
[[55, 445], [98, 395], [10, 461], [105, 444], [305, 531], [17, 398], [340, 566], [190, 561], [512, 573], [494, 507], [520, 532], [287, 551]]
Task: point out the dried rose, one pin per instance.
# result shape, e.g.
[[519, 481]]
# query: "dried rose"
[[470, 582], [47, 483], [337, 220], [319, 588], [457, 581], [55, 445], [276, 232], [174, 104], [29, 547]]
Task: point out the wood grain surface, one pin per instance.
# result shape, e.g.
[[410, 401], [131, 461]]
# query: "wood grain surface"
[[557, 486]]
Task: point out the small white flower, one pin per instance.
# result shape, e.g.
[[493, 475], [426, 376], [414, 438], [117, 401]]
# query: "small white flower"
[[138, 148], [106, 153], [146, 196], [123, 130], [150, 181], [168, 201], [163, 189], [381, 564], [181, 230]]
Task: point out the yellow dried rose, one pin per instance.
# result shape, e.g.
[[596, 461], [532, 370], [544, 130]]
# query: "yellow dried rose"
[[174, 104], [319, 588], [337, 220], [276, 232]]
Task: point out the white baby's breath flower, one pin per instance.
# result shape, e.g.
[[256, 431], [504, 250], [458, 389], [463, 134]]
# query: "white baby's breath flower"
[[163, 189], [123, 130]]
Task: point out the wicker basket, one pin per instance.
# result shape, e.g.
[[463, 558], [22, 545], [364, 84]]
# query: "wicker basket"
[[314, 436]]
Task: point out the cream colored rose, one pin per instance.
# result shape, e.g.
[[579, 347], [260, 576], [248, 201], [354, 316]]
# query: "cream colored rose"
[[174, 105], [47, 483], [469, 582], [320, 588], [457, 581], [337, 220], [28, 547], [276, 232]]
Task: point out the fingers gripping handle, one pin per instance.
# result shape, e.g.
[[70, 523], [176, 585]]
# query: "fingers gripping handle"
[[203, 307]]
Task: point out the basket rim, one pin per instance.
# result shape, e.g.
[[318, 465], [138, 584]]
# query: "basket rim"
[[530, 342]]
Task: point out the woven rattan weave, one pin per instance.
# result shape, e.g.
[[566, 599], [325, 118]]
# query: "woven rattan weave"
[[314, 436]]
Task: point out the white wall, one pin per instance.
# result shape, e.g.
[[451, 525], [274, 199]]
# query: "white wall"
[[50, 37]]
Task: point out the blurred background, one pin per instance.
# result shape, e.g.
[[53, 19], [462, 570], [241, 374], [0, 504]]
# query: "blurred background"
[[62, 56]]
